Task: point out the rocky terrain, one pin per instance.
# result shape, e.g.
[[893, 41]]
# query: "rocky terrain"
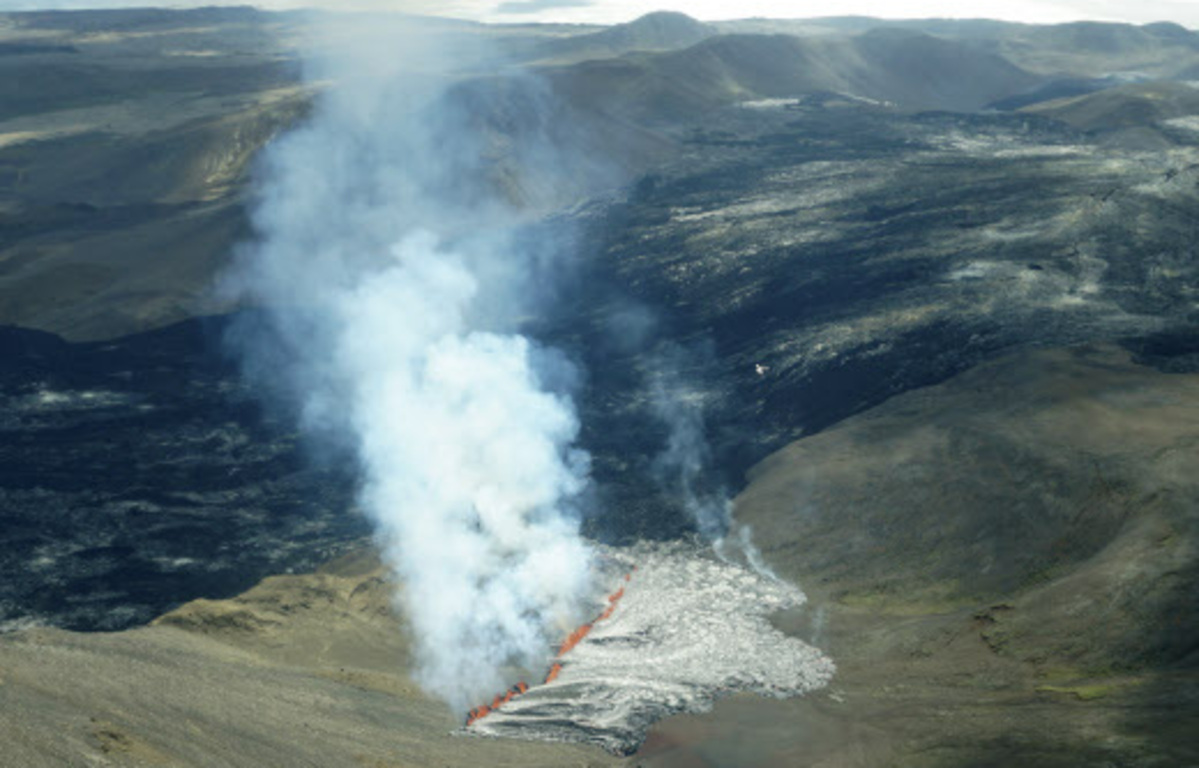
[[125, 143], [300, 671], [854, 254], [934, 284], [1001, 566], [141, 472]]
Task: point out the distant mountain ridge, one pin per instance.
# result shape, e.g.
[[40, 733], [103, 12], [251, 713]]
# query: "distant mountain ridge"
[[661, 30], [1086, 49], [911, 69], [658, 31]]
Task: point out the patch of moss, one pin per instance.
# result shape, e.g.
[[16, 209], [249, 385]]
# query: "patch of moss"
[[1081, 692], [1084, 684], [938, 599], [1059, 674]]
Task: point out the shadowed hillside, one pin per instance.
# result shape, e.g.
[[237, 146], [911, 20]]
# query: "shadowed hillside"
[[912, 70], [1129, 106], [1079, 49]]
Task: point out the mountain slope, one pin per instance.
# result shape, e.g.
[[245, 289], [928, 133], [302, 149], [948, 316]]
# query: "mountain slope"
[[1083, 49], [300, 670], [1128, 106], [659, 31], [912, 70], [1023, 534]]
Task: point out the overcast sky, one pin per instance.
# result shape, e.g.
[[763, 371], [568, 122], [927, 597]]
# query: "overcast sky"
[[1185, 12]]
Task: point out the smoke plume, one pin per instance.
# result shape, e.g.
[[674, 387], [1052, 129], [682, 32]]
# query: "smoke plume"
[[685, 466], [390, 272]]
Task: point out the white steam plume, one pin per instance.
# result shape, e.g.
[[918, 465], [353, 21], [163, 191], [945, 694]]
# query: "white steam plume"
[[387, 266]]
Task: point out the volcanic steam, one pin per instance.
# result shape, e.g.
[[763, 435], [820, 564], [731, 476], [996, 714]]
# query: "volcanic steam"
[[390, 283], [394, 273]]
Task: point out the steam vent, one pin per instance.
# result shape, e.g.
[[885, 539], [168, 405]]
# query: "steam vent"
[[682, 629]]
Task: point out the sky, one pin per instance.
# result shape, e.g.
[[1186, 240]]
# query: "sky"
[[1185, 12]]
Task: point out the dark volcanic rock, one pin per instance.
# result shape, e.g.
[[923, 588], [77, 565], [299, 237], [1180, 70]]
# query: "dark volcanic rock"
[[827, 258], [138, 474], [858, 257]]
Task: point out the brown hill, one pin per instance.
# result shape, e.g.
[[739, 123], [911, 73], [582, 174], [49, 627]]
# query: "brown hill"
[[1023, 535], [301, 670]]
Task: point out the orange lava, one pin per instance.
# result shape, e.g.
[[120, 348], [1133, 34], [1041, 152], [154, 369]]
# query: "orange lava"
[[479, 713], [572, 640]]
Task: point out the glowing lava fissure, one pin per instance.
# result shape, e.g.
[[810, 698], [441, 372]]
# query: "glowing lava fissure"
[[694, 628], [499, 701], [572, 640]]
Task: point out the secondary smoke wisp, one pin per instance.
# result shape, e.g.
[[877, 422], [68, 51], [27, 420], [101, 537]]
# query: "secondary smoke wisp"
[[684, 467], [387, 268]]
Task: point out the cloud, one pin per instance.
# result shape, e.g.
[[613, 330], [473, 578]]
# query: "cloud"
[[538, 6]]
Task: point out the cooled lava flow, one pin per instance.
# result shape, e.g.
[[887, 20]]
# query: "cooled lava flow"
[[573, 639]]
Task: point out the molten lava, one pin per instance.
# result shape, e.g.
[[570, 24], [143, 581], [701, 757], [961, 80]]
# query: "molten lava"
[[572, 640], [499, 701], [613, 599]]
